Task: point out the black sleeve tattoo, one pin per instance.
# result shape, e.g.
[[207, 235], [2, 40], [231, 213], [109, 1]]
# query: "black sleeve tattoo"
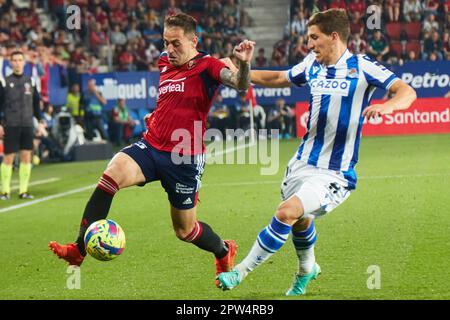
[[238, 80]]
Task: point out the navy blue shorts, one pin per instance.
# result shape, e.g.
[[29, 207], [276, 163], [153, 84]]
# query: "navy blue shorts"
[[181, 181]]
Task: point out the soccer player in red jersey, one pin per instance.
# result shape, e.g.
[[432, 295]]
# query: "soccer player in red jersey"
[[188, 83]]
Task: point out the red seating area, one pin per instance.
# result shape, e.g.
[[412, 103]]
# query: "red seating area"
[[413, 32]]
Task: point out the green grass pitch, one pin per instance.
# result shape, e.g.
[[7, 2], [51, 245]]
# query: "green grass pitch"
[[398, 219]]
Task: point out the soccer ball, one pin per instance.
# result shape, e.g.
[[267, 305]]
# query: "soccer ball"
[[104, 240]]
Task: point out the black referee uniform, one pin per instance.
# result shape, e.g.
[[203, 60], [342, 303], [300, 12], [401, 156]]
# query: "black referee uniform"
[[19, 102]]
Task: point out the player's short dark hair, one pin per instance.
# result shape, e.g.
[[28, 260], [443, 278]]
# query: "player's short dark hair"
[[183, 21], [16, 53], [332, 20]]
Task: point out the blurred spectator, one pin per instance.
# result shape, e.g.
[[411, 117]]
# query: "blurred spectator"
[[338, 4], [210, 46], [299, 51], [378, 47], [117, 36], [119, 15], [92, 103], [230, 9], [392, 8], [298, 25], [240, 113], [446, 45], [261, 60], [97, 38], [44, 142], [171, 9], [213, 8], [281, 117], [227, 51], [230, 28], [412, 56], [73, 104], [433, 56], [357, 45], [431, 7], [356, 6], [211, 28], [430, 23], [126, 59], [133, 32], [356, 24], [412, 10], [219, 115], [121, 123], [432, 44], [152, 33]]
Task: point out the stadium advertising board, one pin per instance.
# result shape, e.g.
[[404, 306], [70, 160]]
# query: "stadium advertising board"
[[141, 88], [426, 115]]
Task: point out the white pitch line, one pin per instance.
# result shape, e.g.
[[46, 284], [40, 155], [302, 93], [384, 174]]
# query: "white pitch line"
[[58, 195], [401, 176], [37, 182], [232, 149], [221, 184]]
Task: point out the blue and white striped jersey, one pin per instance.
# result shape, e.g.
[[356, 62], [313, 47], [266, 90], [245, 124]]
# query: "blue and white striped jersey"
[[339, 94]]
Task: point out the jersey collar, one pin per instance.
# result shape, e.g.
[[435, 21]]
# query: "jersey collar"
[[343, 57]]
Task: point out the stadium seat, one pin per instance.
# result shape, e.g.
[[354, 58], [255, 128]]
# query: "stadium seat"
[[396, 47], [413, 30], [393, 30], [414, 46]]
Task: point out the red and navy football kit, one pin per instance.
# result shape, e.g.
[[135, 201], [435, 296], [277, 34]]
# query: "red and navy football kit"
[[177, 126]]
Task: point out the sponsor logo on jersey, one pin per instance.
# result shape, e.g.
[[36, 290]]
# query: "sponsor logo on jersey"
[[171, 86], [338, 87]]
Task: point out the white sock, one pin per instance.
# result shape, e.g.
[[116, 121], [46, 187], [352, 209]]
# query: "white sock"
[[306, 260], [304, 246], [269, 241]]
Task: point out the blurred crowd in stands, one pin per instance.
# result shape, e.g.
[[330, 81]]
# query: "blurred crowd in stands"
[[409, 30]]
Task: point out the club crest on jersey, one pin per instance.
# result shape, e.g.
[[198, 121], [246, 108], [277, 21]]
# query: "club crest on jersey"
[[191, 64], [352, 73]]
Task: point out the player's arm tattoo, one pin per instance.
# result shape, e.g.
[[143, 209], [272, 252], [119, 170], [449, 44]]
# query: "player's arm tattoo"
[[239, 80]]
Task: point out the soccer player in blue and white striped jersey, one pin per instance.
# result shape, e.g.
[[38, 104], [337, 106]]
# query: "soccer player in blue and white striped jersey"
[[321, 175]]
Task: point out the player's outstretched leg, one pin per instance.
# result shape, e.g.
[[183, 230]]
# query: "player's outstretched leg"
[[269, 241], [121, 172], [97, 208], [303, 237], [188, 229]]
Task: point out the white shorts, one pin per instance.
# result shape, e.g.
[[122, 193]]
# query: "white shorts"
[[320, 190]]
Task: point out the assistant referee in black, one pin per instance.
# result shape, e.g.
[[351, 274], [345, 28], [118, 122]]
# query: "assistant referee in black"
[[19, 103]]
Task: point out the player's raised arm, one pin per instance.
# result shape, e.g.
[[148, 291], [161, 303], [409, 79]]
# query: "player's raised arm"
[[268, 78], [403, 97], [239, 79]]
